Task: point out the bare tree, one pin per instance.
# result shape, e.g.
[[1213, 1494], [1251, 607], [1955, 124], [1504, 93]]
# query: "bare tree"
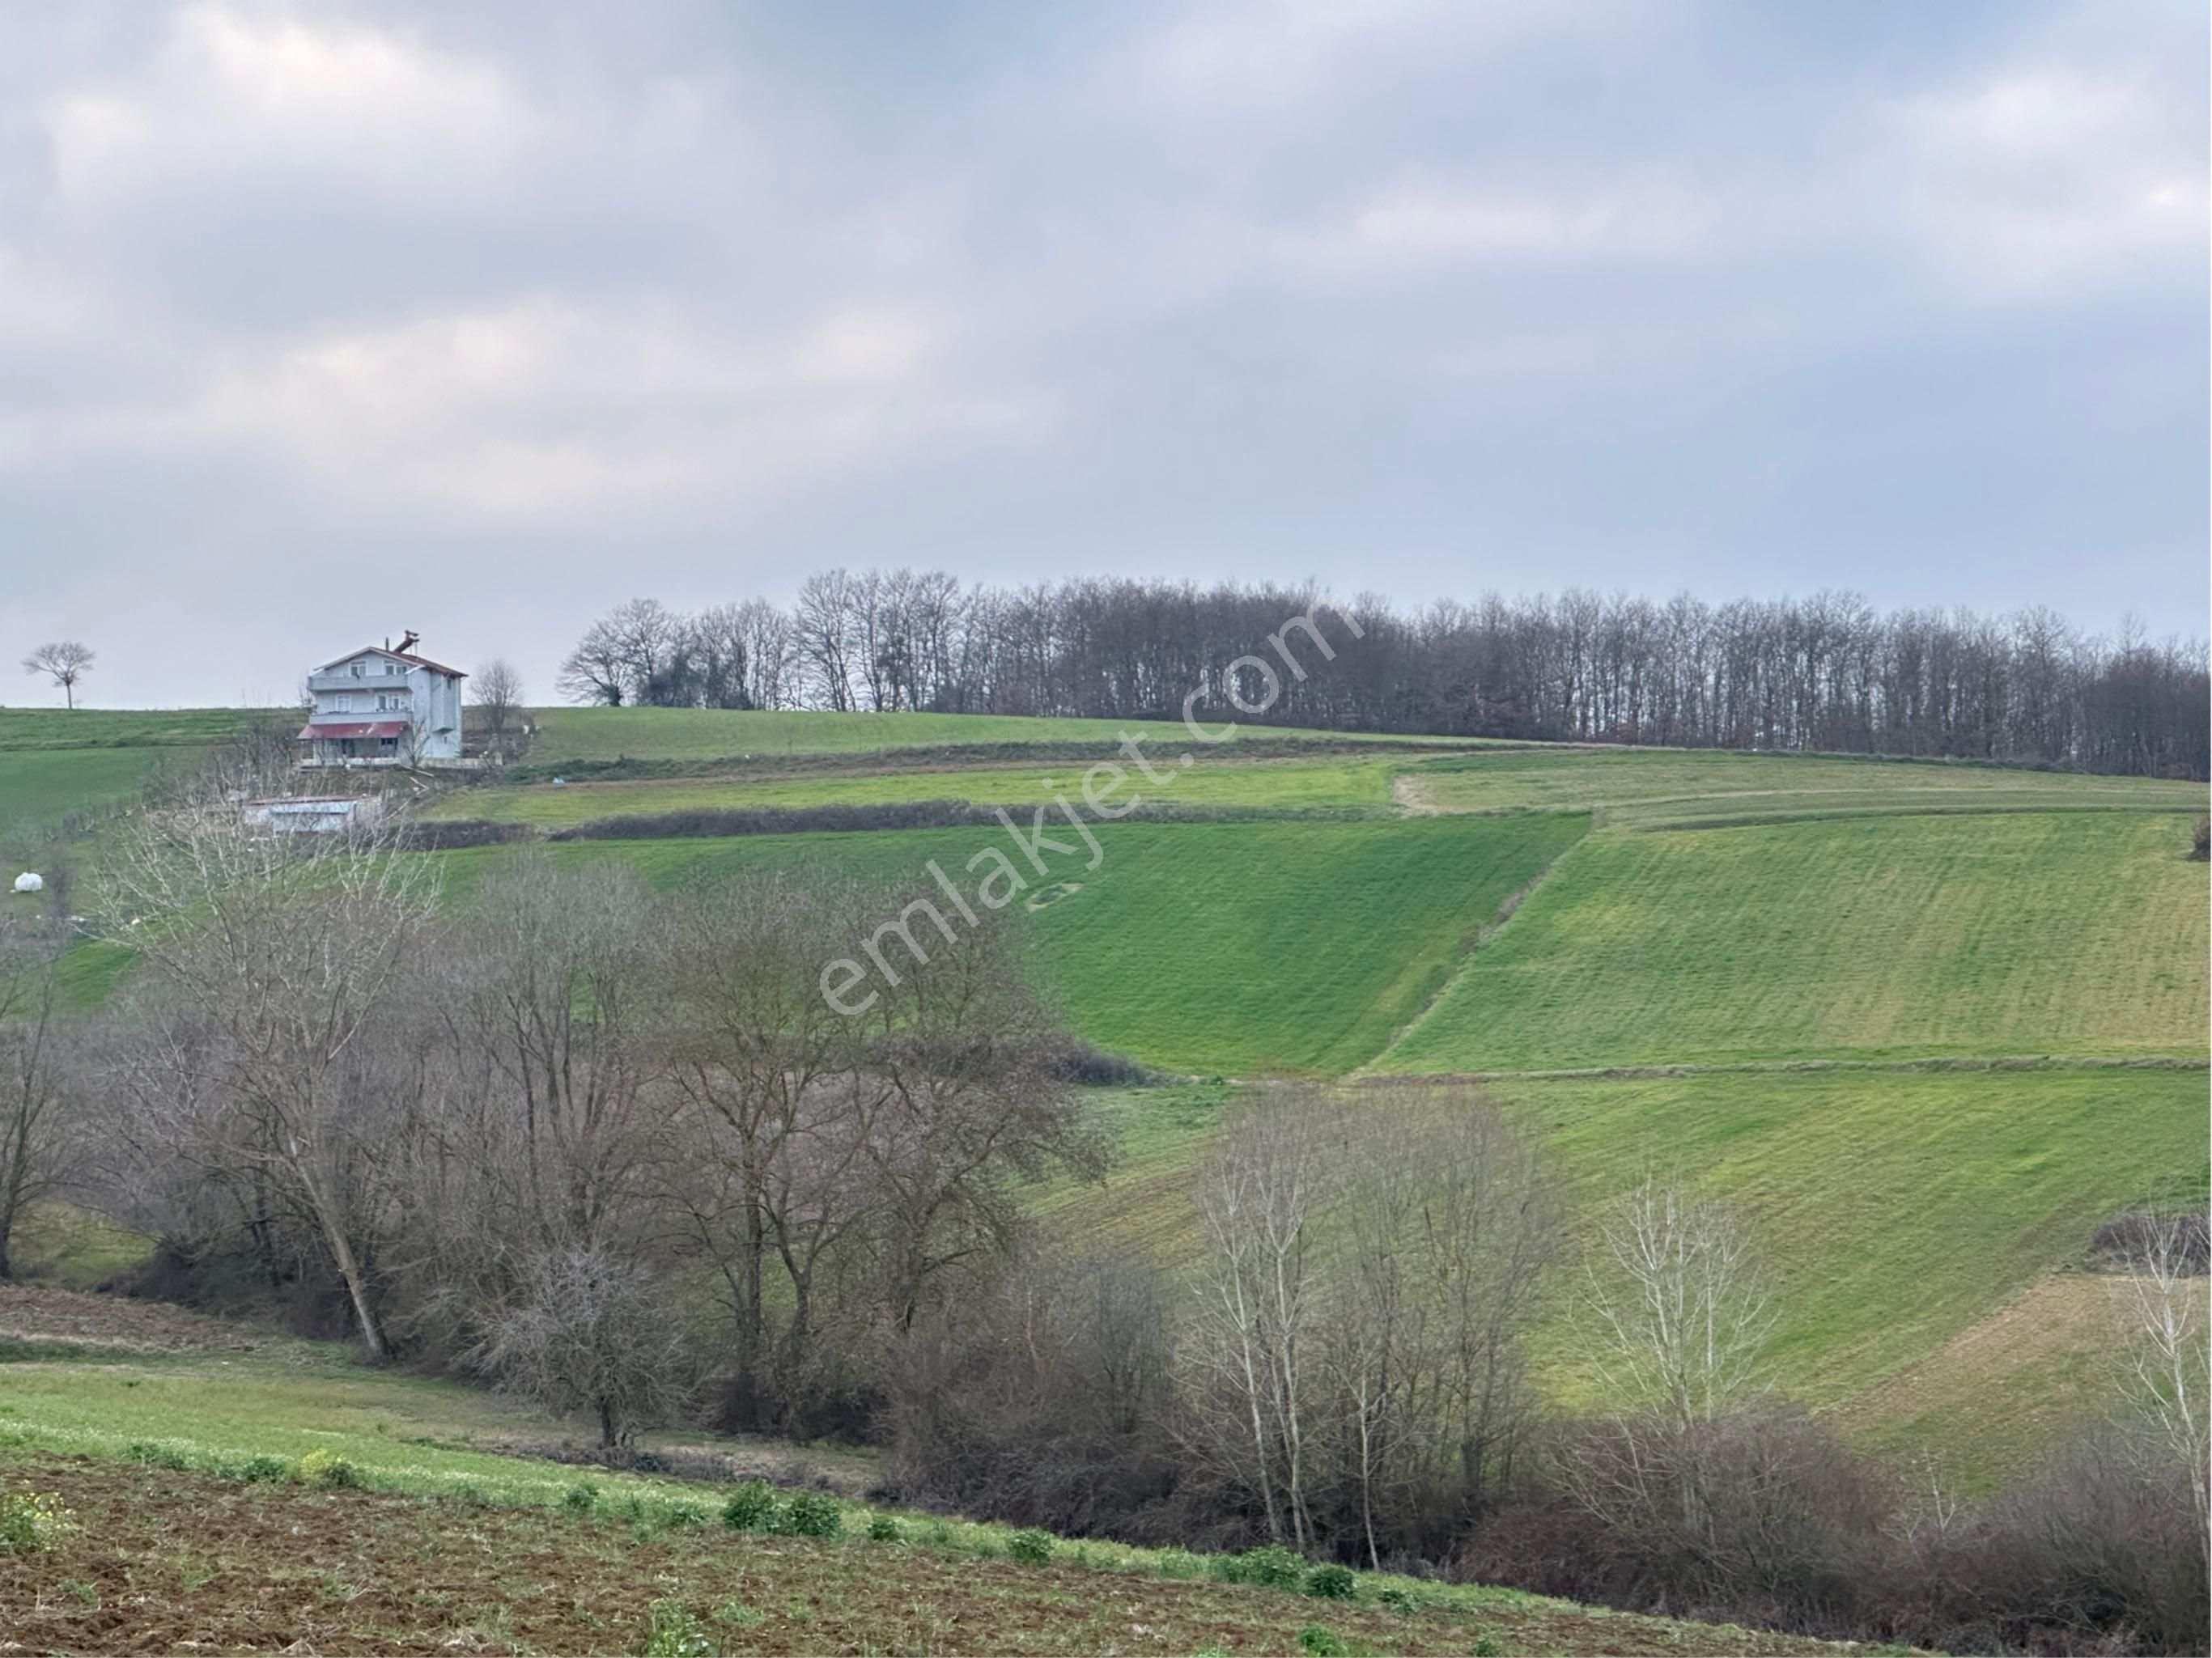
[[2170, 1359], [1257, 1306], [496, 690], [35, 1139], [64, 661], [287, 944], [1681, 1316], [1442, 1236], [591, 1333], [1676, 1324]]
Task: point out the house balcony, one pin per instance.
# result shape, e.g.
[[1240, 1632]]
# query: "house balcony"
[[346, 681]]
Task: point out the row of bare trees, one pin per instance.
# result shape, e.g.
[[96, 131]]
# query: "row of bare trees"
[[1824, 673], [437, 1123]]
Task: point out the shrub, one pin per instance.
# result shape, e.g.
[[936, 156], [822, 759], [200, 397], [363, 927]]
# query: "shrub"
[[811, 1513], [261, 1470], [1030, 1545], [580, 1498], [1181, 1563], [326, 1470], [751, 1507], [31, 1520], [675, 1633], [681, 1515], [1321, 1641], [1487, 1646], [1273, 1567], [1332, 1582], [883, 1529], [2200, 844], [156, 1456], [1398, 1601]]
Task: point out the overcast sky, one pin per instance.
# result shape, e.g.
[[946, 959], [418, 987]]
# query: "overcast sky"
[[319, 323]]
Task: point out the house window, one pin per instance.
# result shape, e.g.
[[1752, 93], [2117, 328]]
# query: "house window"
[[387, 742], [340, 703], [360, 670]]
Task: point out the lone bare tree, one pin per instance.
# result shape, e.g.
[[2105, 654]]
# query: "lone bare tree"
[[1258, 1305], [2166, 1294], [1677, 1326], [64, 661], [589, 1334], [496, 690]]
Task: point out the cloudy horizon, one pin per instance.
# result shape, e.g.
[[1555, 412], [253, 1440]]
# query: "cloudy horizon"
[[319, 323]]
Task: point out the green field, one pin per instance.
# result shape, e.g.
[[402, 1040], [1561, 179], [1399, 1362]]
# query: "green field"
[[124, 728], [2050, 933], [40, 787], [1895, 1211], [1234, 948], [1647, 788], [1338, 782], [678, 734]]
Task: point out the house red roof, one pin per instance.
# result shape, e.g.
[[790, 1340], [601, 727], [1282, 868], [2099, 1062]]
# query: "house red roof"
[[397, 656], [337, 728]]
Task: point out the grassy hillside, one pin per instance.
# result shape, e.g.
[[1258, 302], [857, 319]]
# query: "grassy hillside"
[[1338, 782], [1674, 788], [1896, 1212], [123, 728], [1229, 947], [2037, 934], [570, 734], [40, 787]]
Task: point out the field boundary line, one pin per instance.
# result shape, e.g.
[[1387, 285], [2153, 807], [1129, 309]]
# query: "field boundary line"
[[1788, 1067], [1508, 908]]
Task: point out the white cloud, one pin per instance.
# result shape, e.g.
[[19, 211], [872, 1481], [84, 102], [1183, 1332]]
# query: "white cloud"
[[233, 89], [2040, 179], [544, 407], [1428, 222]]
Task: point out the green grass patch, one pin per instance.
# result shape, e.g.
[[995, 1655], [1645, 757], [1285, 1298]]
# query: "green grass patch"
[[603, 734], [1231, 947], [1338, 782], [41, 787], [2043, 934], [60, 1243], [126, 728], [1650, 788]]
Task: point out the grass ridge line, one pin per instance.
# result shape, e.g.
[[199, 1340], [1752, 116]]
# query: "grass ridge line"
[[1508, 908], [1787, 1067]]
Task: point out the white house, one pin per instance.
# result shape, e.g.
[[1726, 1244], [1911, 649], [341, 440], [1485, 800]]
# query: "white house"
[[380, 706]]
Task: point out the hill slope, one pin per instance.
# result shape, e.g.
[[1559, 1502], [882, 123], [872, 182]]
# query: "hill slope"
[[1880, 938]]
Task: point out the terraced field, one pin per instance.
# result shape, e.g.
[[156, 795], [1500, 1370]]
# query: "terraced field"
[[568, 735], [2048, 933], [1651, 788], [1227, 948], [1339, 782]]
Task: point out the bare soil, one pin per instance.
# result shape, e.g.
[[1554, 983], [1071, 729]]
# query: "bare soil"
[[165, 1562]]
